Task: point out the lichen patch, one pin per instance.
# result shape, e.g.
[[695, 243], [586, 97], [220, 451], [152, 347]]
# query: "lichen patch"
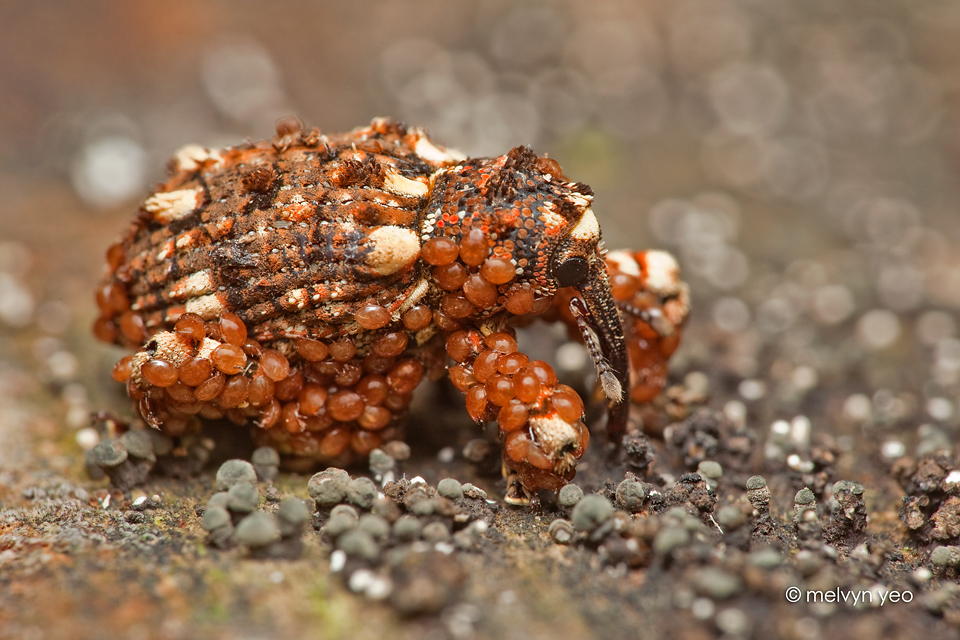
[[401, 186], [207, 307], [624, 262], [191, 156], [425, 148], [587, 229], [295, 299], [663, 272], [196, 284], [553, 434], [173, 205], [393, 249]]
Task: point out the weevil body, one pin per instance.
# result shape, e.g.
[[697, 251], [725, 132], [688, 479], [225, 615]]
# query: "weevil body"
[[307, 283]]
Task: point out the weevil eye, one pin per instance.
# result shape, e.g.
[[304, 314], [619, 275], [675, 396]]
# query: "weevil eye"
[[571, 271]]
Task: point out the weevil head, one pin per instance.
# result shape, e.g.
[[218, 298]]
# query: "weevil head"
[[577, 262], [574, 258]]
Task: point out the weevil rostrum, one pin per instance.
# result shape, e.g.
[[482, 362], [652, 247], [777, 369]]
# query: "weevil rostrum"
[[306, 284]]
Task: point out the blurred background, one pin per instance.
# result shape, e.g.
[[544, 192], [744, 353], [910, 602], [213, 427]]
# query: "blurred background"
[[801, 159]]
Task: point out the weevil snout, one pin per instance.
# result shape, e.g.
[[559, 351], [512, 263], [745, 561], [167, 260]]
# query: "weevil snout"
[[579, 264]]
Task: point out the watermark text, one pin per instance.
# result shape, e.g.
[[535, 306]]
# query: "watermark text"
[[874, 597]]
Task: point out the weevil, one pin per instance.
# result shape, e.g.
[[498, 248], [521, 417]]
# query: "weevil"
[[307, 283]]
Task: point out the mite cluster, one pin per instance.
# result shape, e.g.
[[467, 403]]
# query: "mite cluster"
[[328, 404]]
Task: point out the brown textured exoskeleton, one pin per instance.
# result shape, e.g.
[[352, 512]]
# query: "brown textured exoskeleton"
[[305, 284]]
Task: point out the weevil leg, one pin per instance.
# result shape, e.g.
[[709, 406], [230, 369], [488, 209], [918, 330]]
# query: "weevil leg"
[[654, 302], [606, 374], [540, 420], [113, 423], [652, 316], [516, 494]]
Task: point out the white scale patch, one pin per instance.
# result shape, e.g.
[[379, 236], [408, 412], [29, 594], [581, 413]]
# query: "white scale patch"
[[397, 184], [663, 273], [550, 218], [173, 205], [207, 347], [297, 298], [428, 226], [415, 296], [425, 148], [553, 434], [172, 347], [191, 156], [393, 249], [207, 307], [166, 250], [587, 229], [624, 262], [579, 199], [196, 284]]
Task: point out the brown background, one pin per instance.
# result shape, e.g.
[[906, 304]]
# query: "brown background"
[[801, 158]]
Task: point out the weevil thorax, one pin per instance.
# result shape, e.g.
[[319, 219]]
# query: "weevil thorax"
[[525, 208]]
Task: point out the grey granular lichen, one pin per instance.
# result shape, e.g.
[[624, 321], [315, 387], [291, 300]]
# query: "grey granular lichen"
[[214, 518], [436, 532], [328, 487], [265, 456], [376, 526], [946, 556], [362, 492], [339, 525], [717, 583], [381, 463], [670, 538], [450, 489], [357, 543], [256, 530], [343, 518], [407, 528], [292, 515], [266, 462], [232, 472], [219, 499], [243, 497], [109, 453], [710, 469], [345, 510], [139, 444], [570, 495], [630, 495], [730, 517], [591, 512]]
